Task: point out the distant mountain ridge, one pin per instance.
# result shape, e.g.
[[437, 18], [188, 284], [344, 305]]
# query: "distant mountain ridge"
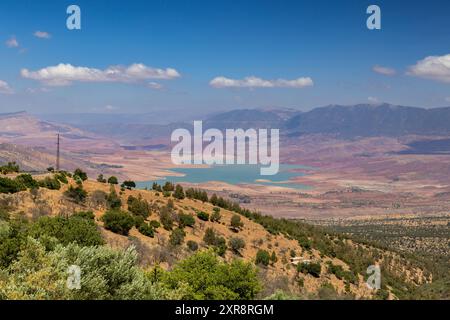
[[362, 120], [371, 120]]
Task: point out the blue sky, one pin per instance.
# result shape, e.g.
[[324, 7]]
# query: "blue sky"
[[325, 44]]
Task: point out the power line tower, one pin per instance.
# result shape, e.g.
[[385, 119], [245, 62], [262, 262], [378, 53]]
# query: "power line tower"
[[57, 154]]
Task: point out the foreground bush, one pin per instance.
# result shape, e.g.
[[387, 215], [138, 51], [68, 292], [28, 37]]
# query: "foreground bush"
[[38, 274], [218, 280]]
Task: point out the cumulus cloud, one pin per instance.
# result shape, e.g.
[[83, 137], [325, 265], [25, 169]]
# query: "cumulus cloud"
[[384, 70], [42, 35], [5, 88], [12, 42], [432, 67], [254, 82], [66, 74]]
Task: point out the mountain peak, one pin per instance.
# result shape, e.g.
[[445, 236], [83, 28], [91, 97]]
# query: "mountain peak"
[[13, 114]]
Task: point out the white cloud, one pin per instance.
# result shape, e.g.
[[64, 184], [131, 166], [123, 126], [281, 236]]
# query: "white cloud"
[[42, 35], [373, 99], [110, 108], [447, 99], [12, 42], [432, 67], [5, 88], [384, 70], [154, 85], [254, 82], [38, 90], [65, 74]]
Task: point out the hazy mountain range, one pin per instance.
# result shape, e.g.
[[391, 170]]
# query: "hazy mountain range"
[[363, 120]]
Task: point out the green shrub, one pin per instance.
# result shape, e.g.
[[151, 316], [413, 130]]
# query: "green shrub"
[[113, 180], [76, 229], [236, 244], [76, 194], [221, 246], [262, 257], [10, 167], [155, 224], [168, 187], [146, 230], [197, 194], [312, 268], [138, 206], [27, 180], [50, 183], [210, 236], [4, 215], [216, 216], [101, 178], [80, 174], [128, 184], [10, 186], [203, 216], [113, 201], [138, 221], [192, 245], [165, 215], [12, 240], [88, 215], [186, 220], [179, 193], [236, 222], [118, 221], [341, 274], [156, 187], [212, 239], [273, 257], [304, 242], [61, 177], [177, 237], [107, 274], [202, 276]]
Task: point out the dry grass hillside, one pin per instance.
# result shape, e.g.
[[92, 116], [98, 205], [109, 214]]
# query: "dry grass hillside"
[[281, 274]]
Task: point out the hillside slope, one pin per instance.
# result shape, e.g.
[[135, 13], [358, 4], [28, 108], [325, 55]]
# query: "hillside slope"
[[342, 261]]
